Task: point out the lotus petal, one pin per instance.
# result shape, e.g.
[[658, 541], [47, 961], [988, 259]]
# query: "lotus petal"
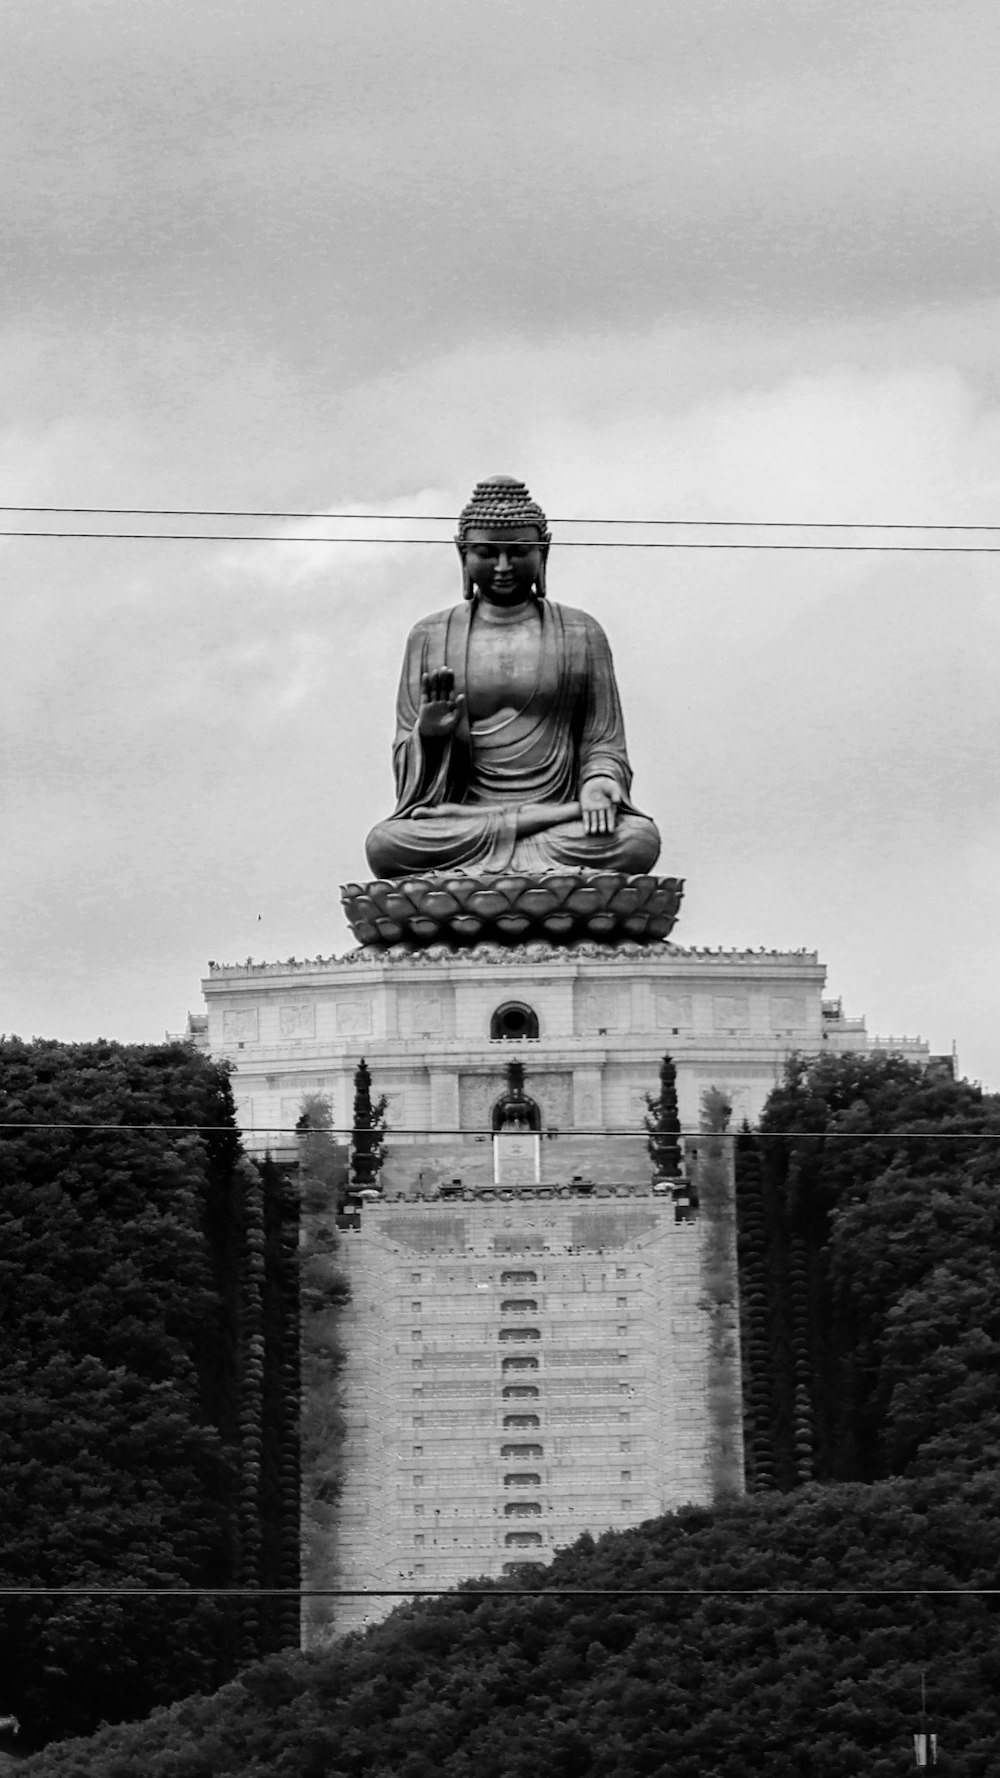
[[558, 923], [488, 903], [538, 901], [599, 924], [562, 887], [466, 926], [636, 924], [512, 925], [440, 904], [389, 931]]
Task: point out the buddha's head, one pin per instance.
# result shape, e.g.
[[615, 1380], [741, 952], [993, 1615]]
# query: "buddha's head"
[[503, 541]]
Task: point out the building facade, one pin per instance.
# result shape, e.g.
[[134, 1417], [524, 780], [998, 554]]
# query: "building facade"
[[540, 1340]]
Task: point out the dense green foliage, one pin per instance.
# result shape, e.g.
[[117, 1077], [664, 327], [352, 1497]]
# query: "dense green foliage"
[[323, 1292], [663, 1124], [870, 1273], [368, 1118], [869, 1204], [143, 1314], [698, 1685]]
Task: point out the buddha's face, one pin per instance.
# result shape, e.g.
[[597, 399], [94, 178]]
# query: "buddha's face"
[[504, 565]]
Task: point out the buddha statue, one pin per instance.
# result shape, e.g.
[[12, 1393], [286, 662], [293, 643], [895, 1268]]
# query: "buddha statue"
[[510, 752]]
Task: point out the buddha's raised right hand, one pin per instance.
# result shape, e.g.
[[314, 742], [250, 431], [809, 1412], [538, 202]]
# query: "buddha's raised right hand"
[[440, 710]]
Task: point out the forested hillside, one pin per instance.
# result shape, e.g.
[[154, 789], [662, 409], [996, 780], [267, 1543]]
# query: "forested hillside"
[[147, 1385], [724, 1676], [786, 1634], [869, 1241]]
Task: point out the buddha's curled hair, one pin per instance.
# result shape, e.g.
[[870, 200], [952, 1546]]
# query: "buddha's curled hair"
[[498, 503]]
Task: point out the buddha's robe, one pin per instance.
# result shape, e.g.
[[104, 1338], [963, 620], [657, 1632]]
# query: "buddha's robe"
[[569, 729]]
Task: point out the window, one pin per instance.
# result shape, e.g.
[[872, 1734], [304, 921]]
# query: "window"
[[522, 1509], [523, 1567], [520, 1450], [626, 1475], [513, 1021], [621, 1302], [519, 1334], [520, 1539], [518, 1420], [418, 1450], [621, 1272], [417, 1308], [517, 1364], [517, 1278], [522, 1478], [517, 1391], [519, 1305]]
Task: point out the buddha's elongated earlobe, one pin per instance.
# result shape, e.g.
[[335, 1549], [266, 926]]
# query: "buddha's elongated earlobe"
[[540, 576], [468, 589]]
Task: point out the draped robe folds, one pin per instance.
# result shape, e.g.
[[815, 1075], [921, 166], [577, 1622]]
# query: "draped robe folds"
[[569, 730]]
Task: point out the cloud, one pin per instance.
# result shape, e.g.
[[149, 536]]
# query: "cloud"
[[705, 260], [365, 185], [202, 731]]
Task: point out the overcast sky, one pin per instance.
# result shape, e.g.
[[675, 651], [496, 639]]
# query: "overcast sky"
[[698, 259]]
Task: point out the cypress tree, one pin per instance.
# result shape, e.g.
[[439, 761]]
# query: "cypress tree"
[[662, 1121], [367, 1146]]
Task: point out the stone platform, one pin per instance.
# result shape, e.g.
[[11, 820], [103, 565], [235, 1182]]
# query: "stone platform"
[[437, 1027]]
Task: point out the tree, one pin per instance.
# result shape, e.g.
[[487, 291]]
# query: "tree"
[[323, 1292], [119, 1422], [323, 1161], [778, 1635], [140, 1432], [872, 1204], [368, 1124], [662, 1121]]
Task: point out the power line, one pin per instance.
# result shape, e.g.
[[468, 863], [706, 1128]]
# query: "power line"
[[484, 1130], [498, 1590], [445, 518], [968, 549]]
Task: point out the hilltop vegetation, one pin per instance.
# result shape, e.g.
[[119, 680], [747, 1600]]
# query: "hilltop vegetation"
[[869, 1210], [869, 1237], [141, 1417], [697, 1685]]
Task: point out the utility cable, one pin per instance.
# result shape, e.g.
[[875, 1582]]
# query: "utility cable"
[[498, 1590], [989, 549], [553, 1135], [445, 518]]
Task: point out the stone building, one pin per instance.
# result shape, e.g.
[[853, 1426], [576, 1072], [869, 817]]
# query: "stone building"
[[531, 1338], [591, 1024]]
